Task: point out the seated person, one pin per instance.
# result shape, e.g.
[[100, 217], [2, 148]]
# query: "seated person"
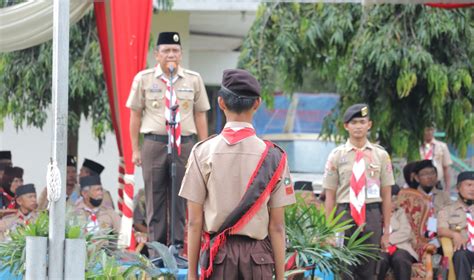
[[426, 176], [72, 188], [26, 200], [456, 222], [90, 210], [139, 220], [11, 180], [400, 255], [92, 168]]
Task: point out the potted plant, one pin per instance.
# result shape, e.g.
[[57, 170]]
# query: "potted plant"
[[312, 241]]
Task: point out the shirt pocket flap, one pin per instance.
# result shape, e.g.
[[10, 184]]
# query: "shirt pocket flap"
[[189, 95], [154, 94], [262, 258]]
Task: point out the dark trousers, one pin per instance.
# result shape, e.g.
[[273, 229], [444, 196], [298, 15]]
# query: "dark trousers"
[[156, 167], [400, 262], [463, 261], [373, 215], [244, 258]]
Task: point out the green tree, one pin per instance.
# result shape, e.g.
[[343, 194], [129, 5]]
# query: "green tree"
[[412, 64], [25, 84]]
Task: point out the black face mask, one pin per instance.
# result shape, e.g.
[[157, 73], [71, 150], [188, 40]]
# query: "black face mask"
[[427, 189], [95, 202], [468, 202]]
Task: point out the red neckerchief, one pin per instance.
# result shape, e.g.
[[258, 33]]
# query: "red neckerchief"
[[428, 155], [233, 136], [11, 200], [24, 218]]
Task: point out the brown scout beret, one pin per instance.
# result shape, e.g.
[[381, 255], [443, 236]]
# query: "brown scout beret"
[[356, 111], [240, 83]]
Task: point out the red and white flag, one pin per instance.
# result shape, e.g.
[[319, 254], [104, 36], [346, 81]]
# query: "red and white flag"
[[470, 230]]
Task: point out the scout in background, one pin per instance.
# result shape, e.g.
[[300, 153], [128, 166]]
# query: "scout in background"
[[400, 255], [26, 201], [457, 223], [358, 178]]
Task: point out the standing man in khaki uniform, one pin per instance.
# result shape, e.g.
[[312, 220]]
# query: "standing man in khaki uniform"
[[358, 179], [438, 151], [148, 102], [90, 209], [457, 223], [237, 186], [400, 255], [25, 196]]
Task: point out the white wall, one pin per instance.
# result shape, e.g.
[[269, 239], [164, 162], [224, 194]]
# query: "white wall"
[[31, 149]]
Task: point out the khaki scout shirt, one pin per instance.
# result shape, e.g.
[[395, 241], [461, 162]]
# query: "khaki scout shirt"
[[338, 170], [401, 234], [454, 217], [439, 199], [10, 222], [106, 217], [441, 157], [217, 177], [148, 94]]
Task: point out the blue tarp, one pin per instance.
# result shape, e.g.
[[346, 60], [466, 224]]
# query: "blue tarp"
[[307, 117]]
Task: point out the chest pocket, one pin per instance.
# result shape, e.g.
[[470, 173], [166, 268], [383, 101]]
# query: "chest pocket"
[[154, 98], [457, 221], [186, 99]]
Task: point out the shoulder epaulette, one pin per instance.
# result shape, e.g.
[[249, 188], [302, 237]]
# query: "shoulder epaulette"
[[191, 72], [378, 146], [205, 140]]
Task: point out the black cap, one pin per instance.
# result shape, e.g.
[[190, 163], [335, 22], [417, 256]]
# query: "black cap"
[[5, 155], [422, 164], [356, 111], [240, 83], [13, 172], [88, 181], [168, 38], [71, 161], [395, 189], [465, 175], [94, 166], [24, 189], [407, 170]]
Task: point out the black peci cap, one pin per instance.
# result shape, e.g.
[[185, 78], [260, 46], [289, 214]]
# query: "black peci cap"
[[94, 166], [24, 189], [88, 181], [422, 164], [465, 175], [5, 155], [71, 161], [168, 38]]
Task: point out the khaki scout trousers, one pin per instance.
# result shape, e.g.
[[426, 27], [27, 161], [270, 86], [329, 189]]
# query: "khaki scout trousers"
[[373, 217], [244, 258], [156, 167]]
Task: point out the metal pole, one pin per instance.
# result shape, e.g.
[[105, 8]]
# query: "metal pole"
[[35, 259], [76, 254], [57, 211]]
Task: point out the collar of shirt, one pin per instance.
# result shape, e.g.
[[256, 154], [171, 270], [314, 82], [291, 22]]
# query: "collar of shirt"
[[460, 205], [237, 125], [350, 147], [159, 71]]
